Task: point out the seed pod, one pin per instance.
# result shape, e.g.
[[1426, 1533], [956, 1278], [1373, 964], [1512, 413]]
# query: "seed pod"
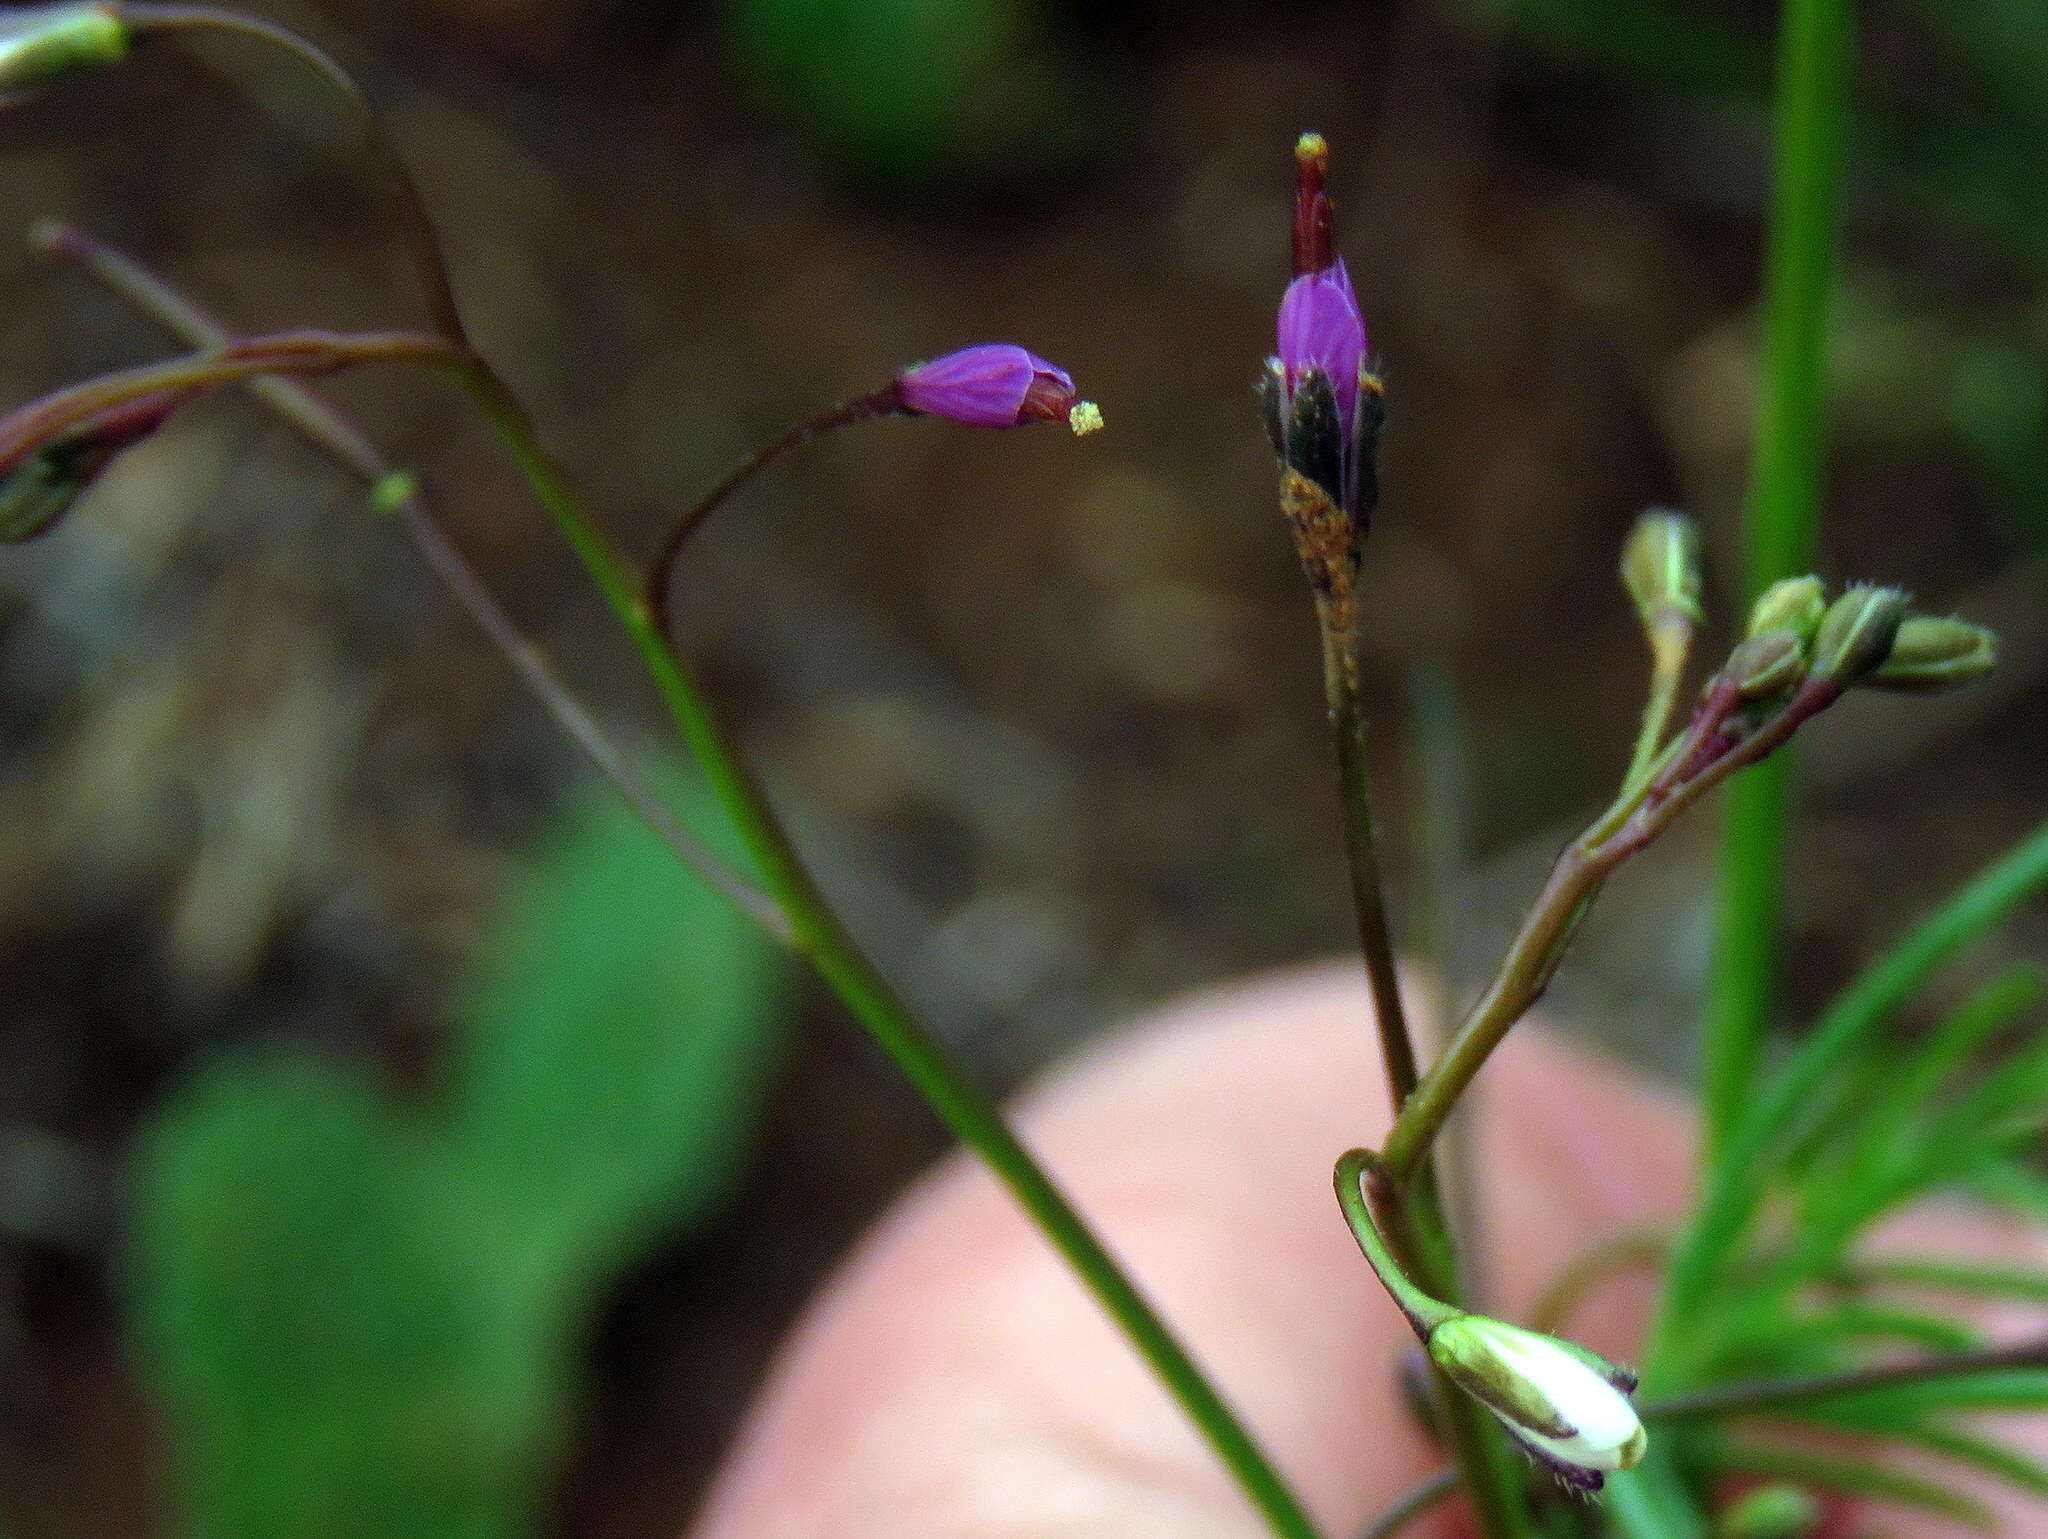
[[1933, 653]]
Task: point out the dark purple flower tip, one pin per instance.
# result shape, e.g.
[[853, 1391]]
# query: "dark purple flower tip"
[[1322, 330], [995, 385]]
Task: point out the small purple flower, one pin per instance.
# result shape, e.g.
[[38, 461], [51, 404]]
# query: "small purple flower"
[[1320, 329], [995, 385], [1322, 401]]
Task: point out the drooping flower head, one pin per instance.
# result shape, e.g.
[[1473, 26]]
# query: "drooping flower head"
[[1322, 400], [1566, 1406], [995, 385]]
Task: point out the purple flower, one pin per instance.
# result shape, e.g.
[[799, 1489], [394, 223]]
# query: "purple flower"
[[1322, 402], [1320, 329], [995, 385]]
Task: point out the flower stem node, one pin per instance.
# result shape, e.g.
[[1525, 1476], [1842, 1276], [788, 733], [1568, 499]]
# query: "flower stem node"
[[1795, 604], [1856, 634], [1767, 665], [1660, 567], [995, 385], [41, 45], [1566, 1406], [1933, 653]]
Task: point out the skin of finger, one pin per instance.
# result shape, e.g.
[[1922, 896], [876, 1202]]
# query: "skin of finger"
[[955, 1381]]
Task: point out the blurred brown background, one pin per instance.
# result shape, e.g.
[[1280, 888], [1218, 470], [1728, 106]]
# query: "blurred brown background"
[[1046, 713]]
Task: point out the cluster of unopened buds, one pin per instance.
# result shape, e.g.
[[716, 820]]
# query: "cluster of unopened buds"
[[1800, 651]]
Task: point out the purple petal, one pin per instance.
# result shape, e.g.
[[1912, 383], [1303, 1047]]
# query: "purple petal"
[[984, 386], [1321, 328]]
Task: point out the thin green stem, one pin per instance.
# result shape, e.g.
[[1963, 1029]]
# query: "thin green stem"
[[1368, 886], [822, 937], [815, 929], [1815, 54], [1637, 818], [661, 569], [415, 225], [1517, 984], [1670, 638], [1411, 1267], [333, 432], [1425, 1313]]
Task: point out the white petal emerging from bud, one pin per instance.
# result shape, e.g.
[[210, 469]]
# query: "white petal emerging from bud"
[[1568, 1407]]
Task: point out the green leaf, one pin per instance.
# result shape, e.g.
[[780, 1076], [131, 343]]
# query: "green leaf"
[[1854, 1477], [336, 1355], [622, 1023], [1940, 1273], [2004, 1389], [1853, 1322], [1743, 1170], [1890, 1092], [2001, 1461]]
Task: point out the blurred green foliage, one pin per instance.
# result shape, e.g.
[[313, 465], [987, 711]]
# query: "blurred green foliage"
[[1950, 143], [362, 1315], [913, 91]]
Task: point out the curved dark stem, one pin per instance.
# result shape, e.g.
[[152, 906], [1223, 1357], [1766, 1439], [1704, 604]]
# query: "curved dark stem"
[[661, 569], [416, 226]]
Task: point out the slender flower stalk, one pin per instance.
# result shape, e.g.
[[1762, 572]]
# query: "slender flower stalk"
[[1323, 409], [1660, 567], [1322, 406], [994, 385], [813, 926]]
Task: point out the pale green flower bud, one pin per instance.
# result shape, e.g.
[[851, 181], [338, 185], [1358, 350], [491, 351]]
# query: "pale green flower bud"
[[1796, 604], [1856, 634], [1767, 664], [43, 44], [1932, 653], [1660, 566], [1567, 1406]]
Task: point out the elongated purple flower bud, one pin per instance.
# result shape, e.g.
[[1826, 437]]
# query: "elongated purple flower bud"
[[1322, 400], [995, 385]]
